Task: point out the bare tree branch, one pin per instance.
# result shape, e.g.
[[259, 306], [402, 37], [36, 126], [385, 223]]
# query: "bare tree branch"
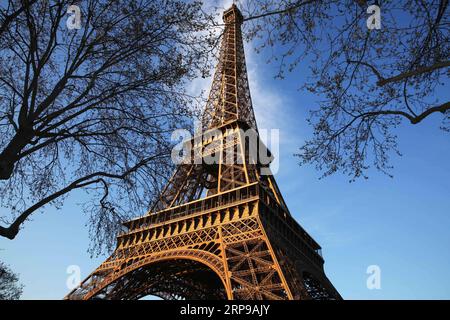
[[416, 72], [11, 231], [7, 19], [367, 81], [79, 107]]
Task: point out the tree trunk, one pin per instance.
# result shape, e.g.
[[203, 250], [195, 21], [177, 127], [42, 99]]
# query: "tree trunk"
[[10, 154]]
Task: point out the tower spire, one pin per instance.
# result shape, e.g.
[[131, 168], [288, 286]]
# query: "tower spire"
[[229, 97]]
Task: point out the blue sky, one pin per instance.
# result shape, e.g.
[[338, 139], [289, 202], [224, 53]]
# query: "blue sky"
[[400, 224]]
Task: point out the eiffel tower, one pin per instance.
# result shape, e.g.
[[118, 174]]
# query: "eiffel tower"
[[220, 230]]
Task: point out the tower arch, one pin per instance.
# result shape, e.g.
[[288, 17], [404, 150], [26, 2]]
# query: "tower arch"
[[172, 275]]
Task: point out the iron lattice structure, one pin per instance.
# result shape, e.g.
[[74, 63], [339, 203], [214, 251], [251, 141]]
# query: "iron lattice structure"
[[220, 230]]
